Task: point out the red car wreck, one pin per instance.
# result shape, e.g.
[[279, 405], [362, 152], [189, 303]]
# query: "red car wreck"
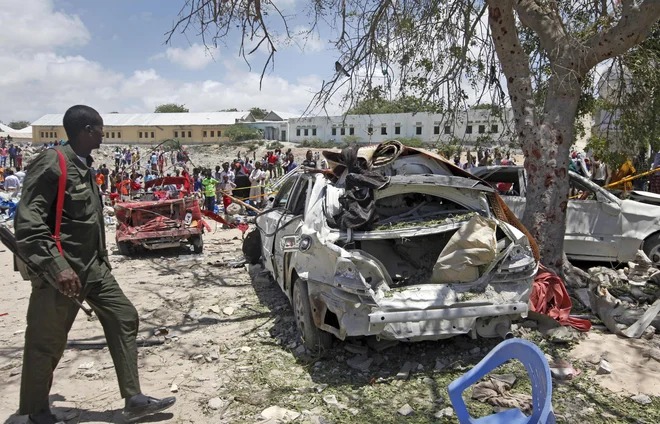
[[168, 219]]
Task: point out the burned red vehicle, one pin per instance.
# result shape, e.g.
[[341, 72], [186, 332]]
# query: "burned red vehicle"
[[166, 217]]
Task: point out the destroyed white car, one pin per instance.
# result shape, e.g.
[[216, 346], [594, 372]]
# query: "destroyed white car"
[[599, 225], [434, 263]]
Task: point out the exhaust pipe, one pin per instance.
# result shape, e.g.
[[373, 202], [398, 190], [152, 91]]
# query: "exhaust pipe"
[[504, 331]]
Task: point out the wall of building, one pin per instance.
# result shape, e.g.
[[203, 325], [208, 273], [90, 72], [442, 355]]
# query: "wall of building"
[[141, 134], [428, 127]]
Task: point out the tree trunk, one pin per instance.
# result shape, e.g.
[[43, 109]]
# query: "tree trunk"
[[545, 142], [546, 162]]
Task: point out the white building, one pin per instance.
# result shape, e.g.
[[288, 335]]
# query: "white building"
[[470, 126]]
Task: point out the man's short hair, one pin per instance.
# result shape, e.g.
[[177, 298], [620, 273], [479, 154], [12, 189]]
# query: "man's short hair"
[[77, 118]]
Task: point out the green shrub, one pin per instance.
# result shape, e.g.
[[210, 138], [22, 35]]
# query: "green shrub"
[[241, 132], [274, 145], [316, 143], [411, 141]]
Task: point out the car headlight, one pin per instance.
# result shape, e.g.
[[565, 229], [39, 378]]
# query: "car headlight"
[[305, 243], [518, 264]]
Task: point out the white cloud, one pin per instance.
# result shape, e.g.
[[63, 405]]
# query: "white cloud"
[[307, 40], [195, 57], [37, 80], [35, 25]]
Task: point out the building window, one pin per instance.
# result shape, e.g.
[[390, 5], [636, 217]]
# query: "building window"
[[370, 130], [219, 133], [298, 132], [189, 134], [351, 131], [55, 134], [313, 131], [468, 129], [203, 133], [51, 134], [334, 131], [383, 130], [176, 134], [118, 135], [113, 134], [482, 129], [343, 131], [418, 130], [212, 134], [152, 135], [183, 134], [306, 132], [42, 134], [397, 130], [140, 134], [494, 128], [436, 129], [447, 129]]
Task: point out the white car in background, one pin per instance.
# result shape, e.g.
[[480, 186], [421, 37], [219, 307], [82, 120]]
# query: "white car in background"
[[599, 225]]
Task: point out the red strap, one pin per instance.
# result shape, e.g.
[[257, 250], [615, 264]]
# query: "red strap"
[[61, 187]]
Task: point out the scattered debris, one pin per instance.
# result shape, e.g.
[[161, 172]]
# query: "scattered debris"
[[228, 310], [280, 414], [405, 371], [360, 362], [357, 349], [604, 367], [216, 403], [406, 410], [215, 309], [642, 399], [446, 412], [563, 370], [495, 392], [331, 400], [381, 345], [174, 388], [86, 366]]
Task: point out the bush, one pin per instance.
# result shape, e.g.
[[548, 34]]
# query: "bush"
[[241, 132], [274, 145], [318, 144], [351, 139], [411, 141]]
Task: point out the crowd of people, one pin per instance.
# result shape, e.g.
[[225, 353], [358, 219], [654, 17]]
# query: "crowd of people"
[[11, 165], [247, 179]]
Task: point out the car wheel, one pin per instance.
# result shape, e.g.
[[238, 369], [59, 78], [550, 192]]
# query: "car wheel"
[[252, 247], [313, 337], [198, 243], [652, 248], [124, 248]]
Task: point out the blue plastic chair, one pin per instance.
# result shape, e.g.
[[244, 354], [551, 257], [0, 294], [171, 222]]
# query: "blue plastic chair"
[[539, 373]]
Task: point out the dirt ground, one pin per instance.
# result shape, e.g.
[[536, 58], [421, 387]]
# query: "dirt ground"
[[231, 350]]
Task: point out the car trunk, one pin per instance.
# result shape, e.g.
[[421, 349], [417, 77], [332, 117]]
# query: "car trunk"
[[431, 239]]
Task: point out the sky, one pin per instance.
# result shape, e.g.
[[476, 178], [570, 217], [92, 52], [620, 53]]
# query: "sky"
[[112, 55]]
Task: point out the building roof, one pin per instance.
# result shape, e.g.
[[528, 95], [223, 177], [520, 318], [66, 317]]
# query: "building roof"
[[280, 116], [153, 119]]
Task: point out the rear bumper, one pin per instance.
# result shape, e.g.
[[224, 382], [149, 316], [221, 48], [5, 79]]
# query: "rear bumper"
[[158, 236], [454, 312]]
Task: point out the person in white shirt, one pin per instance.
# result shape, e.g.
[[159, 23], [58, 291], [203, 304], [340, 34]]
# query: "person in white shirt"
[[20, 174], [12, 183], [257, 178], [226, 172]]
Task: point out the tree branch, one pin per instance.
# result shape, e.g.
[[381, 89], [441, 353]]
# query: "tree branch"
[[544, 21], [632, 29]]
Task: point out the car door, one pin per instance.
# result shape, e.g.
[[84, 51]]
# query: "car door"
[[593, 223], [286, 239], [270, 222]]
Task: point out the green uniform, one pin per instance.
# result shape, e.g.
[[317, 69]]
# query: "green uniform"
[[50, 314]]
